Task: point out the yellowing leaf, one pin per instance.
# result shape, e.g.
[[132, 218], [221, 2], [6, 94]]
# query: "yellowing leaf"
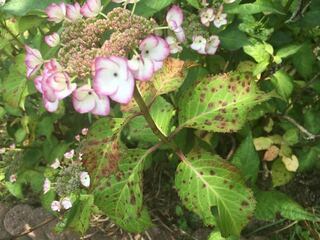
[[291, 164]]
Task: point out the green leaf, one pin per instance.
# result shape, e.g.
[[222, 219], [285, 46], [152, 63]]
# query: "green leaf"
[[170, 77], [270, 203], [119, 195], [14, 88], [219, 103], [216, 236], [247, 159], [214, 190], [194, 3], [304, 60], [116, 174], [28, 22], [162, 114], [280, 175], [21, 8], [256, 7], [232, 38], [258, 51], [288, 51], [15, 189], [291, 136], [148, 8], [283, 83], [79, 218]]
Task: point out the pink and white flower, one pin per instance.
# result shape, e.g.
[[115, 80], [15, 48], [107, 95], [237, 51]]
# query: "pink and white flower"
[[56, 206], [220, 20], [86, 100], [33, 61], [91, 8], [66, 203], [13, 178], [69, 155], [46, 186], [199, 44], [212, 45], [55, 164], [142, 68], [52, 40], [173, 45], [85, 179], [84, 131], [56, 12], [207, 16], [73, 12], [174, 19], [113, 78]]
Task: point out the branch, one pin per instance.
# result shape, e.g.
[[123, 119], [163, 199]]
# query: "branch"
[[309, 135], [12, 34]]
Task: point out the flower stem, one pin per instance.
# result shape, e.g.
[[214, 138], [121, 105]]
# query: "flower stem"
[[103, 15], [133, 9], [145, 111], [160, 28]]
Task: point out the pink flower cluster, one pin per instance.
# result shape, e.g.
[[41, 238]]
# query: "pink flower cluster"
[[113, 76]]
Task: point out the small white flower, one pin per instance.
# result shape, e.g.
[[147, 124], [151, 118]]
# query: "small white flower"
[[12, 146], [13, 178], [66, 203], [85, 179], [2, 150], [46, 186], [56, 206], [220, 19], [84, 131], [173, 44], [2, 2], [199, 44], [212, 45], [69, 155], [80, 156], [207, 16], [77, 137], [204, 3], [55, 164]]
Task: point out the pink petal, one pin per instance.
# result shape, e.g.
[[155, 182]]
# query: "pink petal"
[[175, 14], [125, 93], [50, 106], [73, 12], [154, 48], [56, 12], [38, 83], [52, 40], [180, 34], [91, 8], [102, 106], [109, 72], [157, 65], [87, 103], [145, 69]]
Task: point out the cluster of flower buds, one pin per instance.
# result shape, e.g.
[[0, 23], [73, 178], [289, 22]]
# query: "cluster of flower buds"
[[113, 75]]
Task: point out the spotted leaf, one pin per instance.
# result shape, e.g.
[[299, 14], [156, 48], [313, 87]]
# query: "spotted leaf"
[[220, 103], [214, 189]]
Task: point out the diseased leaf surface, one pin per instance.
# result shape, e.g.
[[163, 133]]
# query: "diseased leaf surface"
[[214, 190]]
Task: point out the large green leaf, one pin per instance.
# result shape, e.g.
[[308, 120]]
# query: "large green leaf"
[[21, 8], [219, 103], [15, 87], [214, 190], [304, 60], [116, 174], [79, 218], [270, 6], [147, 8], [283, 83], [271, 203], [247, 159], [232, 38], [120, 194]]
